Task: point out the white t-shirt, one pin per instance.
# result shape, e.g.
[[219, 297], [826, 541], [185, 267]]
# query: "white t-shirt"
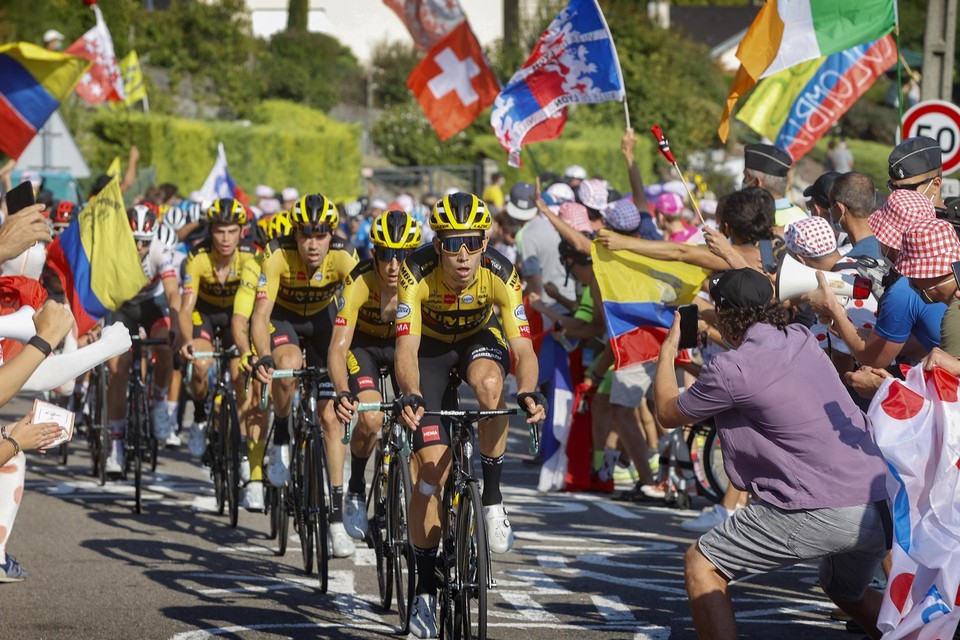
[[862, 313]]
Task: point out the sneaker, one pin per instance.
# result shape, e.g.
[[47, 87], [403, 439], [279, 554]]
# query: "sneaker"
[[355, 516], [198, 439], [11, 571], [708, 519], [173, 441], [658, 490], [162, 426], [636, 494], [625, 474], [253, 496], [114, 465], [423, 621], [278, 469], [499, 531], [341, 545]]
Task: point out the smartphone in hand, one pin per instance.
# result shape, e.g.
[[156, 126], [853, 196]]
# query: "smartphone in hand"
[[689, 315], [20, 197], [767, 257]]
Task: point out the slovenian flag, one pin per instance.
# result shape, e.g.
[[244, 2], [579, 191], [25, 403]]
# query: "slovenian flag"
[[639, 297], [33, 83], [788, 32], [818, 93], [96, 259], [219, 182]]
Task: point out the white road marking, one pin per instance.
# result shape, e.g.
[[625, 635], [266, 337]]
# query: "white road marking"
[[365, 557], [612, 608], [527, 608]]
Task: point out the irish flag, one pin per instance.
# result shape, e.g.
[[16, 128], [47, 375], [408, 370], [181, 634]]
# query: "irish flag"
[[788, 32]]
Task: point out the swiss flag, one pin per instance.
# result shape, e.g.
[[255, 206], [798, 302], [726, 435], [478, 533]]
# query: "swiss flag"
[[454, 84], [103, 82]]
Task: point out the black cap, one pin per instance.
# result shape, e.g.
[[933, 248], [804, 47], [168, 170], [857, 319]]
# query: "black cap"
[[522, 204], [742, 289], [767, 159], [914, 157], [819, 191]]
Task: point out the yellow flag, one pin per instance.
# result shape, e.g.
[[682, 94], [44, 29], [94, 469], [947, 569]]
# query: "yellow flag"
[[114, 169], [133, 85]]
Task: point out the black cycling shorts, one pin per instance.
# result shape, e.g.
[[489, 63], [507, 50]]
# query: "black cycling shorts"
[[364, 360], [208, 320], [311, 333], [437, 360], [147, 314]]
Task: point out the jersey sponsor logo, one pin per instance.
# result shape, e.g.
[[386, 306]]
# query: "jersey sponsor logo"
[[365, 382], [449, 298], [262, 282], [431, 433], [340, 303], [302, 276], [187, 278], [520, 313], [352, 365], [318, 275], [403, 310], [403, 329], [280, 339], [467, 299], [524, 331], [341, 321]]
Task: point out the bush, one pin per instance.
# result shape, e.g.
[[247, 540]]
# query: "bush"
[[869, 120], [287, 145], [310, 68]]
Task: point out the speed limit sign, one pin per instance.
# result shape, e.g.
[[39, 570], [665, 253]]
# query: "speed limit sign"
[[939, 120]]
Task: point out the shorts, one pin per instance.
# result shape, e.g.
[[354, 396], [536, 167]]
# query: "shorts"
[[849, 541], [210, 321], [364, 360], [632, 384], [149, 314], [310, 333], [437, 360]]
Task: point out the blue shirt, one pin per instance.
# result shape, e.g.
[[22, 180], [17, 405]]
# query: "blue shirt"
[[869, 247], [902, 313], [789, 431]]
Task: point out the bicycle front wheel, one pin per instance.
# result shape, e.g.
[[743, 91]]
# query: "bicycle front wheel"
[[472, 566], [229, 419], [401, 548], [300, 483], [135, 431], [319, 516], [713, 463], [282, 519]]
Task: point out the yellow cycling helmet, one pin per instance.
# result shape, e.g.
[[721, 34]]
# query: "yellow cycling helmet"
[[315, 209], [395, 230], [280, 225], [227, 211], [460, 212], [264, 225]]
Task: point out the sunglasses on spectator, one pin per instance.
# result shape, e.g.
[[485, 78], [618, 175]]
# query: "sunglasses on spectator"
[[453, 244], [314, 228], [385, 254]]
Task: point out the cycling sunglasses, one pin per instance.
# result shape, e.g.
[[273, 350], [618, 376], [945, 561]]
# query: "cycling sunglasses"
[[452, 245], [385, 254], [313, 228]]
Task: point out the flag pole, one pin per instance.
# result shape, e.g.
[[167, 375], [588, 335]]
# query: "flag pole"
[[664, 148], [626, 110]]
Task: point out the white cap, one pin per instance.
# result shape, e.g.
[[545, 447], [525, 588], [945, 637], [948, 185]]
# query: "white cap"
[[405, 202], [51, 34], [289, 194], [263, 191], [575, 172], [561, 192], [269, 206], [377, 203], [32, 177]]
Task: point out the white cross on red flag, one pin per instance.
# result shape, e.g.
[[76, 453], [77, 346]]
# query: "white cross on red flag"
[[454, 83], [103, 82]]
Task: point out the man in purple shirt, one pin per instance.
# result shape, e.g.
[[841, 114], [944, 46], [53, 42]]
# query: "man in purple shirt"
[[792, 436]]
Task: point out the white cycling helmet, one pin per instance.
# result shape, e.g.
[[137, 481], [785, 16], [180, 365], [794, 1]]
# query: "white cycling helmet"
[[167, 236], [175, 218], [575, 172], [143, 222]]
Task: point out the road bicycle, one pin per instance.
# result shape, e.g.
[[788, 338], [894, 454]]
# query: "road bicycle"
[[691, 458], [223, 430], [307, 495], [140, 445], [94, 418]]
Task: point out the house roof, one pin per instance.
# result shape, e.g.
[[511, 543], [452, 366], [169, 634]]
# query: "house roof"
[[711, 25]]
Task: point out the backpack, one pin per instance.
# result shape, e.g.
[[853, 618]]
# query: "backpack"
[[880, 272]]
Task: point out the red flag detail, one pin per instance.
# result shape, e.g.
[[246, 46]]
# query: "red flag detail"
[[103, 82], [454, 84]]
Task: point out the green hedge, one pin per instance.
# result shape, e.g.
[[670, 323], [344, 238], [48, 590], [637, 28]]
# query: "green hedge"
[[285, 144]]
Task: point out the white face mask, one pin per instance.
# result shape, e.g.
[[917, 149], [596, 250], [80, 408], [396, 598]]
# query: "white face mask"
[[924, 192]]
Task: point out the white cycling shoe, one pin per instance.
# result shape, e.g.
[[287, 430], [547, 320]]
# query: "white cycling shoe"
[[278, 469], [423, 620], [115, 461], [499, 531], [162, 424], [198, 439], [341, 545], [355, 516], [253, 496]]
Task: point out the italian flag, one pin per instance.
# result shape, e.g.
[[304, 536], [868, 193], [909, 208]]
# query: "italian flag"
[[788, 32]]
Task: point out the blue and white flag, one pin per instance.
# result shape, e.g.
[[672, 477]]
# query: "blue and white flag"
[[555, 367], [574, 62], [219, 183]]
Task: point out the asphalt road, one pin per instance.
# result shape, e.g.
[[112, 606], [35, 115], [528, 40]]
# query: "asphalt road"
[[584, 566]]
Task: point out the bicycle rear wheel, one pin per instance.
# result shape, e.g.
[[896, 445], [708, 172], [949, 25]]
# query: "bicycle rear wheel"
[[401, 548], [319, 516], [216, 448], [136, 423], [99, 428], [282, 519], [301, 512], [713, 463], [696, 444], [472, 565], [378, 532], [231, 462], [448, 589]]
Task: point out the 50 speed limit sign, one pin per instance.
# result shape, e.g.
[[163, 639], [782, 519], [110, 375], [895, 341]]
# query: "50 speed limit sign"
[[939, 120]]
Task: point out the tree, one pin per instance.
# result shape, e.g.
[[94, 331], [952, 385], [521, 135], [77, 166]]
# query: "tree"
[[309, 68], [298, 14], [391, 64]]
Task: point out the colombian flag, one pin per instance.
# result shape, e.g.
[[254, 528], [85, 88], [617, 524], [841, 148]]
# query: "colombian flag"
[[33, 83], [639, 296], [97, 260]]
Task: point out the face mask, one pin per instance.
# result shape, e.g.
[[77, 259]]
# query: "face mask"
[[924, 192]]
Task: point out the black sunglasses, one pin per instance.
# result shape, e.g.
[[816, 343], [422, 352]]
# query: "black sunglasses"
[[313, 228], [386, 254], [453, 244]]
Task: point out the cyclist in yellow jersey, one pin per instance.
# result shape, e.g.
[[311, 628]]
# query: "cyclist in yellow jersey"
[[363, 341], [254, 418], [210, 282], [300, 278], [445, 322]]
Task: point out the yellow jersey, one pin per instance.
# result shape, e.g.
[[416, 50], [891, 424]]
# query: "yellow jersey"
[[247, 293], [200, 275], [427, 306], [285, 280], [359, 305]]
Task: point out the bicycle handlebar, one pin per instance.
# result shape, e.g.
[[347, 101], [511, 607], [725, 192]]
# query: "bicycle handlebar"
[[306, 372], [227, 354], [476, 416], [365, 406]]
